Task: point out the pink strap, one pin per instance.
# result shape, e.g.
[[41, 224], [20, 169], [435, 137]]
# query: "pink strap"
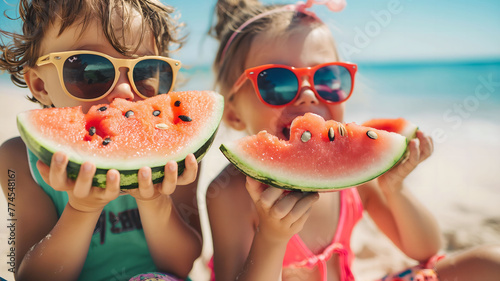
[[320, 261], [333, 5]]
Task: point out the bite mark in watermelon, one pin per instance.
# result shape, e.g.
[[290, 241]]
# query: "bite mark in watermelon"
[[126, 135], [335, 156]]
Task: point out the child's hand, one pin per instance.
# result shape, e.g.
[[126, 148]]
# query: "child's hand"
[[420, 149], [281, 213], [82, 195], [147, 191]]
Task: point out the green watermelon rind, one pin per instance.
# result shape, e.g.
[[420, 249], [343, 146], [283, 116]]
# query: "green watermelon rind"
[[263, 176], [128, 177]]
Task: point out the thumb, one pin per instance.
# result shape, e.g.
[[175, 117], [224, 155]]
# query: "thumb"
[[254, 188]]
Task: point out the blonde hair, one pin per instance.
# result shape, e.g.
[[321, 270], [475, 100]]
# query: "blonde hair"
[[39, 15], [231, 14]]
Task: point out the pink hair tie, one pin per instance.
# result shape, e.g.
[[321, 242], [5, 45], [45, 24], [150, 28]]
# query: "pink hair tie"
[[333, 5]]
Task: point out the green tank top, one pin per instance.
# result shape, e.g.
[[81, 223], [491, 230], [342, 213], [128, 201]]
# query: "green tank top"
[[118, 249]]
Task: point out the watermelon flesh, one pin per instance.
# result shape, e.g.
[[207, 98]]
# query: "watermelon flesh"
[[126, 135], [395, 125], [320, 163]]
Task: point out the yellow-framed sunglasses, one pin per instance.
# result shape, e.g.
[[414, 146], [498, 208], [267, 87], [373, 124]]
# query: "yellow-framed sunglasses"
[[89, 75]]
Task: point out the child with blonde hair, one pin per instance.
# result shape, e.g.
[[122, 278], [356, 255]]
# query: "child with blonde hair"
[[68, 229], [265, 233]]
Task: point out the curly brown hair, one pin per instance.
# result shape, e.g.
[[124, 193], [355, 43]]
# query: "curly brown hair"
[[38, 15]]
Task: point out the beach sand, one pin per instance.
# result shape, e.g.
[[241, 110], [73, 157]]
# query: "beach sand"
[[458, 184]]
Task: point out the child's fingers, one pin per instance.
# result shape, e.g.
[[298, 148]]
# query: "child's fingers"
[[254, 188], [426, 145], [298, 224], [58, 178], [83, 182], [284, 205], [189, 174], [146, 189], [170, 181], [112, 184], [301, 208], [44, 171], [269, 196]]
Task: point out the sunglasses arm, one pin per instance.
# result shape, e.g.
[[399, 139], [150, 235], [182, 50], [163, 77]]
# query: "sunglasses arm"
[[237, 85], [43, 60]]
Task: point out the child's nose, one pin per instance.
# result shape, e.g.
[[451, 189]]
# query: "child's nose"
[[123, 88], [306, 93]]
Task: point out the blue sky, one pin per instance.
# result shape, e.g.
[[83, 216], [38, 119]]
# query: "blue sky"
[[370, 31]]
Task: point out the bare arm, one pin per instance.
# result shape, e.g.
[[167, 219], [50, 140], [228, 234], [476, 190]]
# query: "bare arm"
[[42, 241], [173, 244], [261, 222], [400, 215]]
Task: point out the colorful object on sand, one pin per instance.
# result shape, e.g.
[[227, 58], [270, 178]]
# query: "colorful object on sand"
[[320, 155], [396, 125], [126, 135]]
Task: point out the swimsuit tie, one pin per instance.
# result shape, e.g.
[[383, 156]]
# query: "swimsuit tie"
[[320, 261]]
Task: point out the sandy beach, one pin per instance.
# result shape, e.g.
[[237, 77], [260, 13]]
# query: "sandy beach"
[[458, 184]]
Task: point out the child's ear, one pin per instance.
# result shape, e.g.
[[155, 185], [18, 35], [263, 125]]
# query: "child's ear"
[[232, 118], [37, 87]]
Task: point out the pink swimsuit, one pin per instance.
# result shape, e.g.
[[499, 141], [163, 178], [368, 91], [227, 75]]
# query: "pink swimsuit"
[[298, 255], [351, 210]]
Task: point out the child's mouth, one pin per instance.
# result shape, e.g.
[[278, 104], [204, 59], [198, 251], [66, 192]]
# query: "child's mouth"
[[286, 132]]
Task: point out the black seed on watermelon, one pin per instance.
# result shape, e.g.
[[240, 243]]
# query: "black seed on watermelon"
[[129, 113], [102, 108], [185, 118], [106, 141], [177, 103], [331, 134], [92, 131], [156, 112]]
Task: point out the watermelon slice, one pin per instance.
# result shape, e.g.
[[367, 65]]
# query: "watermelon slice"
[[126, 135], [320, 155], [396, 125]]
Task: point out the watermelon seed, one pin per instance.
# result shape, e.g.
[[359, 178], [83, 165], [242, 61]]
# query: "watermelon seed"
[[156, 112], [177, 103], [92, 131], [342, 130], [129, 113], [372, 135], [185, 118], [106, 141], [102, 108], [331, 134], [161, 126], [306, 136]]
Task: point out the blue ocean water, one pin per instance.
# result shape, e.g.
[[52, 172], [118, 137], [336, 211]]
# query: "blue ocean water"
[[408, 88]]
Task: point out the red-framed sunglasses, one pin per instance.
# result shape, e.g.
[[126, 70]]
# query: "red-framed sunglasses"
[[279, 85]]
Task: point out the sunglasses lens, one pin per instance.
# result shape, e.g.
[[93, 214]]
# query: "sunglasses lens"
[[153, 77], [277, 86], [333, 83], [88, 76]]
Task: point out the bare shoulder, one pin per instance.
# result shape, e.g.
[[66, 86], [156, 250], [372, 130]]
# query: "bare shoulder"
[[12, 148], [228, 188], [34, 209], [227, 197], [230, 211], [13, 161]]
